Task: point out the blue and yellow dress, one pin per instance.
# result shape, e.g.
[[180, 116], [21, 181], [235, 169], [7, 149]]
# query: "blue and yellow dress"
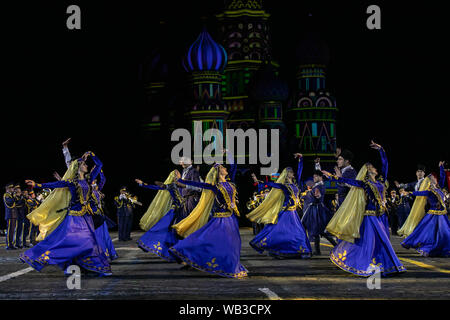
[[367, 248], [216, 246], [283, 235], [102, 232], [286, 238], [431, 236], [160, 237], [73, 241]]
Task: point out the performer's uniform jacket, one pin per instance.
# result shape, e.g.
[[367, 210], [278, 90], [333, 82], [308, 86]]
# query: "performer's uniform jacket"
[[124, 206], [412, 186], [10, 206], [10, 217], [190, 194], [347, 173], [23, 224]]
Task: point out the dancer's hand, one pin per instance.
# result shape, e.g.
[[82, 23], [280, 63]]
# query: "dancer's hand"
[[65, 143], [441, 163], [57, 176], [86, 155], [338, 172], [397, 184], [299, 155], [375, 146], [139, 181], [30, 183]]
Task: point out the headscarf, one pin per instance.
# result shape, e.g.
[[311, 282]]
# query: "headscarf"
[[267, 212], [200, 215], [48, 215], [159, 206], [347, 220], [417, 211]]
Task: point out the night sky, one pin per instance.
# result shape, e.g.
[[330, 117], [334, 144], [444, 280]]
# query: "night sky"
[[390, 84]]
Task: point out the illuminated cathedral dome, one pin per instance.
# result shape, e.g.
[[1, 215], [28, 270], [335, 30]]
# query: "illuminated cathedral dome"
[[205, 55]]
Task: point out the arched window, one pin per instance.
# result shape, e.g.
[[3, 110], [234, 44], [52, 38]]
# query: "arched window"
[[324, 102], [304, 102], [235, 35]]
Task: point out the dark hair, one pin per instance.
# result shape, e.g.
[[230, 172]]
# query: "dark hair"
[[347, 155]]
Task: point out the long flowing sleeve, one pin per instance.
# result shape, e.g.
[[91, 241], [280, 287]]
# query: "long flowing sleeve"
[[442, 176], [299, 171], [102, 181], [202, 185], [421, 193], [151, 186], [384, 164], [352, 182], [53, 185], [97, 168]]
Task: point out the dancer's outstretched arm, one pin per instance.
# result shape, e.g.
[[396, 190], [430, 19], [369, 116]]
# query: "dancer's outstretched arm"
[[202, 185], [384, 161], [352, 182], [442, 174]]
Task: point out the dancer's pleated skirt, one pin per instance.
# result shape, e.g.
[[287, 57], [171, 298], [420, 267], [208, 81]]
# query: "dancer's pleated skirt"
[[160, 238], [371, 252], [74, 241], [215, 248], [105, 242], [431, 237], [286, 238]]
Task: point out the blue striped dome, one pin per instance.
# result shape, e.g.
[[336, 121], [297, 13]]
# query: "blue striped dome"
[[205, 54]]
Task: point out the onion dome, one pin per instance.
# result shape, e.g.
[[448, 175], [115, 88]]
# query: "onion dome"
[[267, 86], [205, 55], [312, 50]]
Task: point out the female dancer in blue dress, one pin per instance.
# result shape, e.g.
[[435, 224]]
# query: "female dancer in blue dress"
[[315, 214], [428, 233], [365, 247], [283, 235], [65, 223], [212, 246], [102, 232], [159, 217]]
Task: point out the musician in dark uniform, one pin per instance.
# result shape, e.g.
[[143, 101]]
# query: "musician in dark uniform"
[[125, 204], [10, 215], [32, 203], [392, 205], [23, 227]]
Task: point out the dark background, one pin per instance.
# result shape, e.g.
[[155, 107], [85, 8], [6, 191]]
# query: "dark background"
[[390, 84]]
